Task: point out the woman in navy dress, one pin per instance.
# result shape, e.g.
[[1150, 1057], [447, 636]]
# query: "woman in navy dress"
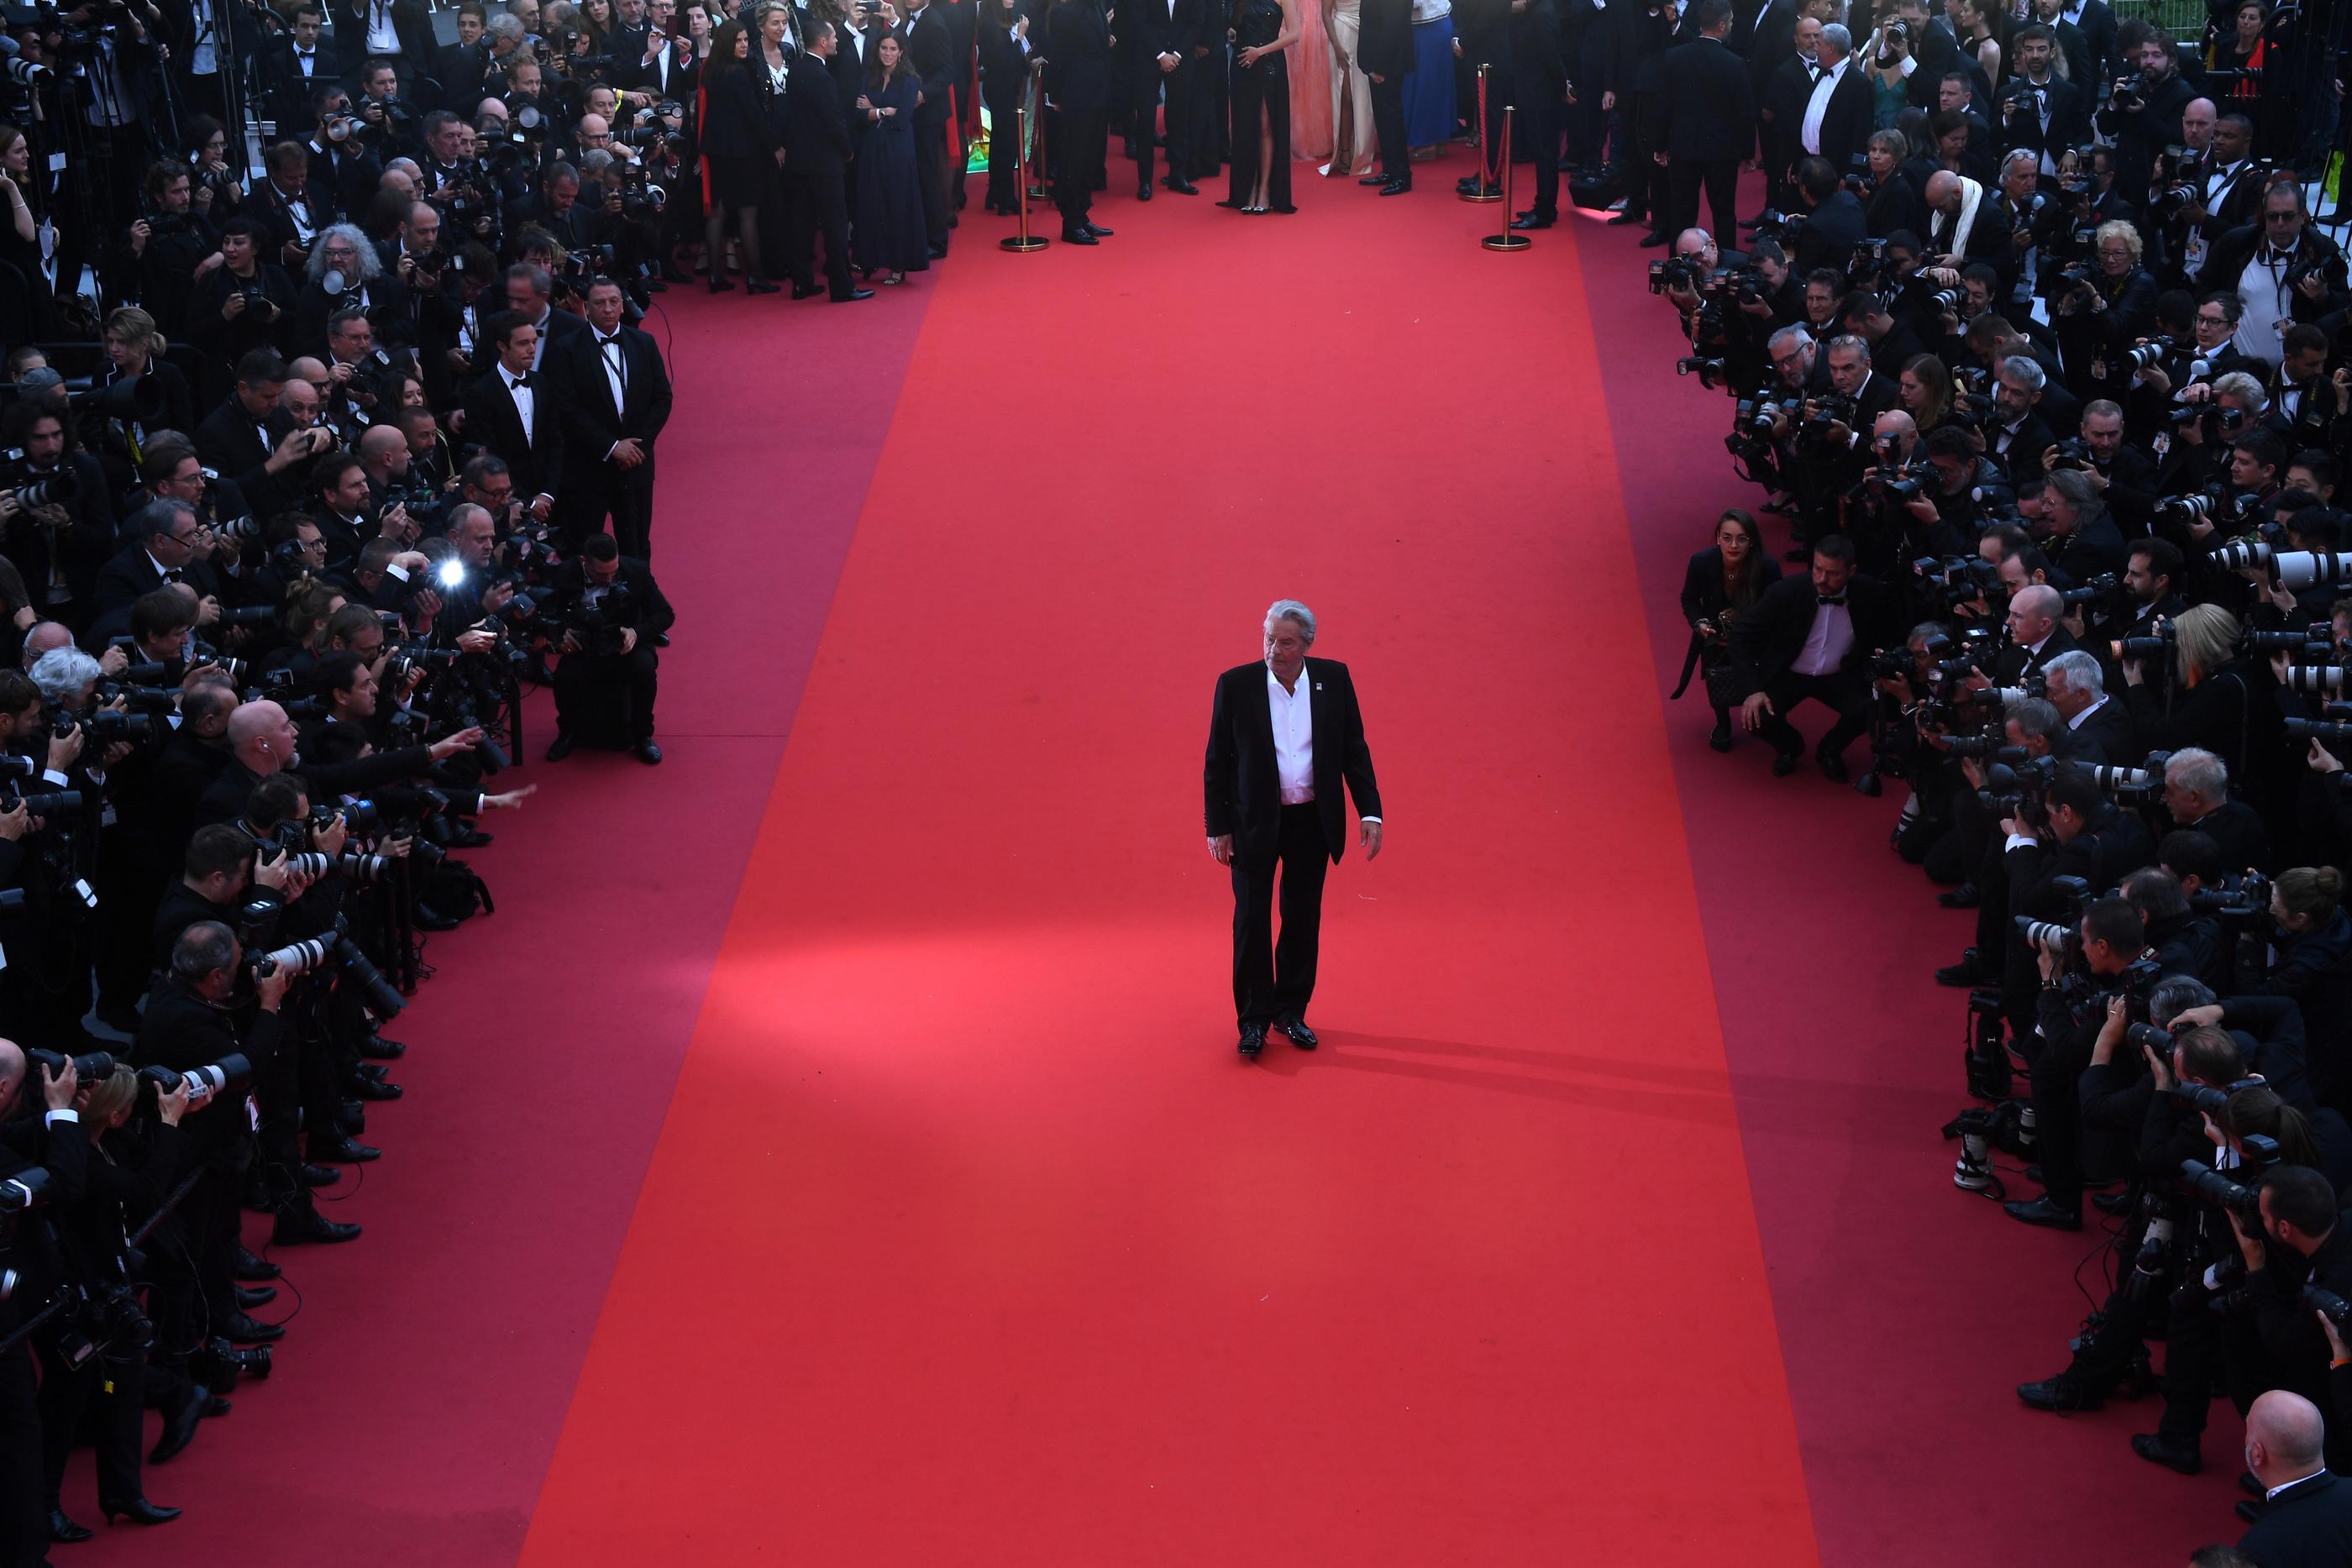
[[888, 231], [1263, 31]]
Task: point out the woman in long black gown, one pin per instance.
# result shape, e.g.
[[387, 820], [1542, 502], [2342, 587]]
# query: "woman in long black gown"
[[1263, 31], [889, 232]]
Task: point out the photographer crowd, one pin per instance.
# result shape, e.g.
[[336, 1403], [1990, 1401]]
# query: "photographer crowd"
[[2042, 356], [306, 479]]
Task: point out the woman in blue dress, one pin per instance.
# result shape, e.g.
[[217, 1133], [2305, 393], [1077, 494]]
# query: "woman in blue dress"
[[1429, 90], [889, 233]]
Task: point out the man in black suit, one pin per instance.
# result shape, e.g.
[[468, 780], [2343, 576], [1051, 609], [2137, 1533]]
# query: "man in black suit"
[[1838, 115], [614, 397], [530, 292], [297, 64], [2041, 110], [1834, 221], [1539, 93], [1385, 51], [165, 537], [1162, 38], [1077, 84], [2099, 728], [1284, 734], [1810, 637], [461, 68], [816, 161], [507, 413], [2307, 1520], [1784, 87], [929, 37], [1708, 122], [610, 610]]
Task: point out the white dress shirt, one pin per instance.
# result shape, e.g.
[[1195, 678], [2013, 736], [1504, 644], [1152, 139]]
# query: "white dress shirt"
[[1828, 643], [526, 401], [1818, 106], [1293, 736]]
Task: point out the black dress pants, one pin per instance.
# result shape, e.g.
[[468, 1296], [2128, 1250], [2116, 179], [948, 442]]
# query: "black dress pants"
[[819, 207], [1388, 127], [1721, 176], [931, 171], [1539, 101], [1178, 85], [1078, 163], [112, 1393], [1276, 979], [23, 1506], [1843, 691]]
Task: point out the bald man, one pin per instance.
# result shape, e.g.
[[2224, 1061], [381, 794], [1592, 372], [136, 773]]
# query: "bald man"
[[261, 743], [2306, 1512], [2034, 634]]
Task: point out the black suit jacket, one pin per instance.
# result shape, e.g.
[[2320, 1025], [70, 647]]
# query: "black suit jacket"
[[492, 419], [816, 131], [1241, 785], [2107, 737], [583, 392], [1847, 121], [1078, 57], [1830, 233], [1706, 107], [1766, 640], [1150, 29], [1386, 44], [2308, 1526], [129, 573], [929, 36]]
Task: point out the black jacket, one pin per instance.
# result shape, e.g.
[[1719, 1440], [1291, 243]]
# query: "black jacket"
[[1241, 786], [493, 420], [2309, 1525], [1766, 640], [1706, 107], [1078, 57], [816, 131], [583, 394]]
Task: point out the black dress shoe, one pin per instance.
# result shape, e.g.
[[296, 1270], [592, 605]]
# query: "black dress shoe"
[[2112, 1202], [376, 1048], [560, 747], [2063, 1391], [721, 285], [424, 918], [1396, 187], [1967, 896], [1629, 217], [320, 1175], [1373, 180], [180, 1424], [1300, 1035], [2043, 1212], [137, 1511], [1720, 736], [249, 1266], [1095, 229], [64, 1530], [646, 752], [1252, 1040], [244, 1329], [295, 1229], [1143, 191], [373, 1089], [1833, 766], [761, 286], [342, 1150], [214, 1405], [1184, 187], [1785, 763], [852, 296], [259, 1296], [1968, 971], [1531, 223], [1652, 241], [1078, 236], [939, 253], [803, 290], [473, 838], [2173, 1453]]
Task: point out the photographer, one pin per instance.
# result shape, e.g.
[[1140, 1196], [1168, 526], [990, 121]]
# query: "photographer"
[[2143, 114], [2298, 1241], [345, 273], [610, 611], [2281, 269], [240, 304], [58, 521], [54, 1147], [2080, 989]]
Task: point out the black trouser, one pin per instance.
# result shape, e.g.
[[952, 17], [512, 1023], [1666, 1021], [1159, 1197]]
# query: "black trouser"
[[1539, 101], [24, 1510], [1721, 178], [1275, 980], [1843, 691], [114, 1392], [1179, 86], [1388, 127], [2056, 1068], [819, 205], [581, 509], [585, 679], [1078, 163], [930, 170], [2197, 1341]]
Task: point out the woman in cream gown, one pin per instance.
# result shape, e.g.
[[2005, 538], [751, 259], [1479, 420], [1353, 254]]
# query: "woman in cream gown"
[[1354, 149]]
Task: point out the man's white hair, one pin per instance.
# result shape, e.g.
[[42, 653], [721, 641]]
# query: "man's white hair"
[[1291, 610]]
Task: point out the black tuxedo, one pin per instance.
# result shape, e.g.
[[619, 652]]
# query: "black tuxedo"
[[595, 487], [1706, 124], [1783, 89], [2309, 1525], [1242, 796], [1386, 47], [290, 91], [1846, 123], [1831, 232], [1767, 639], [462, 69], [131, 573], [2066, 105], [1149, 28], [930, 38], [817, 160], [535, 457], [1077, 82]]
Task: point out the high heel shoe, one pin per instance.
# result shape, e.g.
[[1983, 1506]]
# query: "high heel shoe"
[[137, 1511]]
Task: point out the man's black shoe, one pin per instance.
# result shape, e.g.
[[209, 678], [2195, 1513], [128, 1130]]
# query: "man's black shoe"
[[1078, 236], [64, 1530], [1373, 180], [2043, 1212], [137, 1511], [1252, 1040], [1300, 1035], [2063, 1391], [1143, 191], [1095, 229], [249, 1266], [376, 1048], [940, 252], [803, 290], [1184, 187], [320, 1175], [424, 918], [244, 1329], [1628, 216], [258, 1296], [1967, 896], [852, 296], [1968, 971], [180, 1425], [2112, 1202], [560, 747], [371, 1089], [1833, 766], [2173, 1453], [1785, 763], [1531, 223], [294, 1229], [343, 1150], [2249, 1510], [1652, 241], [473, 838], [1396, 187], [646, 752]]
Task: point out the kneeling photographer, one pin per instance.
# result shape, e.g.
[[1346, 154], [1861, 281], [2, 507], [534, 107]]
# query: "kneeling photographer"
[[604, 614]]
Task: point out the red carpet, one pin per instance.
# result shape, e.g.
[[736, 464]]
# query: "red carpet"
[[967, 1238]]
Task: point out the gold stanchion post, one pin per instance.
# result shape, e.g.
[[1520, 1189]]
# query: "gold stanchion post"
[[1507, 240], [1025, 240], [1485, 191]]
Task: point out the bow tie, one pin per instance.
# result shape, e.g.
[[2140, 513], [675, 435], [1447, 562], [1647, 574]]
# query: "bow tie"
[[306, 54], [522, 380], [173, 574], [1829, 598], [2273, 256], [604, 342]]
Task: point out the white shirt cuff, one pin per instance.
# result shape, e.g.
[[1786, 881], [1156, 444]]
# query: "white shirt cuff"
[[65, 1115], [1368, 819], [52, 776], [1909, 65], [2020, 841]]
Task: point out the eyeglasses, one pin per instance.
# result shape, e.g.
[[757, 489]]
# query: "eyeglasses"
[[2282, 217]]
